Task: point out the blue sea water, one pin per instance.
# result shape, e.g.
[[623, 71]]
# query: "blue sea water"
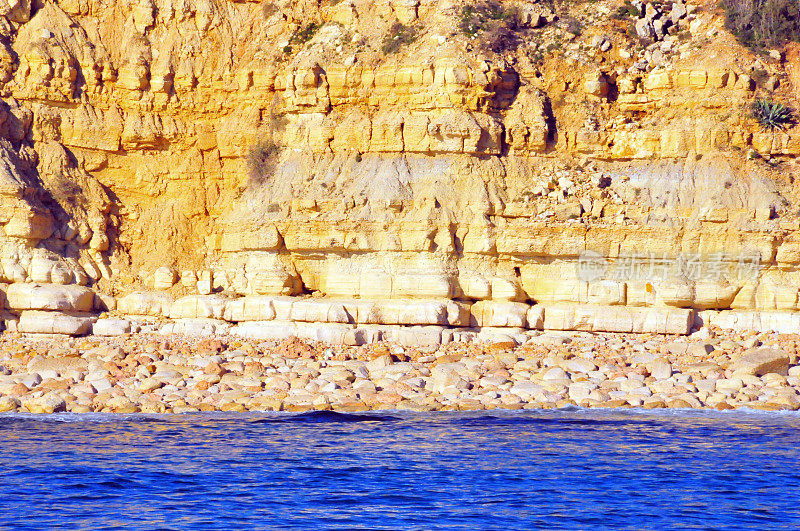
[[567, 469]]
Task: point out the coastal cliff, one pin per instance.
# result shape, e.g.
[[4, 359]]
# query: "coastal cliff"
[[408, 170]]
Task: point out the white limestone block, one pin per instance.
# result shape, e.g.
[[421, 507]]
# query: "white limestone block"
[[718, 296], [776, 296], [424, 286], [62, 274], [413, 312], [164, 278], [111, 327], [283, 307], [44, 322], [321, 311], [782, 322], [333, 333], [375, 284], [196, 327], [153, 303], [54, 297], [204, 286], [506, 290], [535, 317], [265, 330], [606, 292], [90, 268], [555, 289], [40, 268], [276, 281], [189, 279], [198, 307], [500, 313], [251, 308], [476, 287], [640, 293], [675, 292], [618, 319], [367, 334], [341, 282], [610, 319]]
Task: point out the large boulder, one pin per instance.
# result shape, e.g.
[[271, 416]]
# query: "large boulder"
[[53, 297], [760, 361], [41, 322], [152, 303]]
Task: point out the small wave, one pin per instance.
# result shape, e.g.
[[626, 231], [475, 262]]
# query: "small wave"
[[323, 417], [544, 419], [96, 418]]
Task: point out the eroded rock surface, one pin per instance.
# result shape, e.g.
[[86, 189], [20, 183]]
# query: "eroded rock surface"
[[276, 169]]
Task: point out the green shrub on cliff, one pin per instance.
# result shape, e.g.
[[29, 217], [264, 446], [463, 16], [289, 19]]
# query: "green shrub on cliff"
[[492, 23], [760, 24], [772, 115], [626, 11], [301, 36], [399, 35]]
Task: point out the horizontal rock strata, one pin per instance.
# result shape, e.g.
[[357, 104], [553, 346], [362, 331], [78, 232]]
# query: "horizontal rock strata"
[[281, 169]]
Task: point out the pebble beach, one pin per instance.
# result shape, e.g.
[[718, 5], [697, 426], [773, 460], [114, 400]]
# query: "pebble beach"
[[709, 369]]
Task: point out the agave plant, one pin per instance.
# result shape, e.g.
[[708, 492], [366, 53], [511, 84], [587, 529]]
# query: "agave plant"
[[772, 115]]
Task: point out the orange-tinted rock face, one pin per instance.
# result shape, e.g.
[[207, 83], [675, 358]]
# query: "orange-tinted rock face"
[[216, 146]]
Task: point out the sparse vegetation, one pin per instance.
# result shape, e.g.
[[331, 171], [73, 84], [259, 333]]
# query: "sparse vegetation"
[[476, 18], [760, 24], [261, 160], [772, 115], [399, 35], [67, 192], [301, 36], [494, 25], [572, 25], [268, 9], [305, 34], [626, 10]]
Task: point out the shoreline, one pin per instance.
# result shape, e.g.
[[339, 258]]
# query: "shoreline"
[[140, 373]]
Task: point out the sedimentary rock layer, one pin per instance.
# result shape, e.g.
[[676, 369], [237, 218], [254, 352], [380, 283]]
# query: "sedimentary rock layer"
[[386, 168]]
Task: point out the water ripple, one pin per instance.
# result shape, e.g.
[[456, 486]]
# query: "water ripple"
[[565, 469]]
